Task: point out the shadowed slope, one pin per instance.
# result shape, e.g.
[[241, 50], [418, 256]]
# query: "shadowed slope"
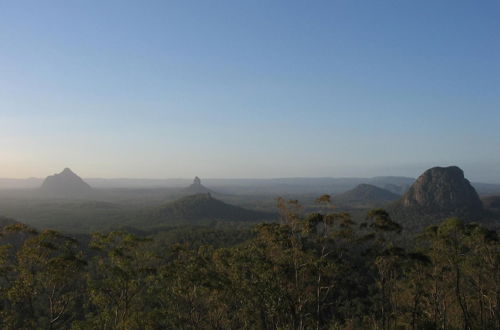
[[365, 194], [200, 207]]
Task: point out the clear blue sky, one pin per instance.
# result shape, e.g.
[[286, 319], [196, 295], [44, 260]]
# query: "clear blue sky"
[[249, 88]]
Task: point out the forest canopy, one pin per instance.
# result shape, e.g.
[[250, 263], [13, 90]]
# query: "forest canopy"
[[321, 270]]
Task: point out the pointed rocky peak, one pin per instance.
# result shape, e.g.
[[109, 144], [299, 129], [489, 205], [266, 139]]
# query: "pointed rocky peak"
[[197, 181], [443, 189], [65, 184], [197, 188], [67, 171]]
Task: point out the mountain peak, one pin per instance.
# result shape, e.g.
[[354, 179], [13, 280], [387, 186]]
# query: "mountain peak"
[[197, 181], [197, 188], [65, 184], [67, 170], [443, 189]]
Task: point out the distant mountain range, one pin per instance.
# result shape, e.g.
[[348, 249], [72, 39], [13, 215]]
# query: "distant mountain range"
[[278, 186], [438, 193]]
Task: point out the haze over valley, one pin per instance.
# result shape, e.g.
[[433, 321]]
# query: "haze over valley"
[[64, 201]]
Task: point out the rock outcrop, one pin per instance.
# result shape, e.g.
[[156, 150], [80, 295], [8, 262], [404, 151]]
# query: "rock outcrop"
[[443, 190]]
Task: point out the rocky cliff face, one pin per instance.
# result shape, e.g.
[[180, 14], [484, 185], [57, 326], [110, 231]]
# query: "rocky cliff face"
[[443, 189], [65, 185]]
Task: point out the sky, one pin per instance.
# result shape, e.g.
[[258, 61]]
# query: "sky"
[[249, 89]]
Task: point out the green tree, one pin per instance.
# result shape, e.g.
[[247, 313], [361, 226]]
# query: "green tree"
[[46, 288], [117, 280]]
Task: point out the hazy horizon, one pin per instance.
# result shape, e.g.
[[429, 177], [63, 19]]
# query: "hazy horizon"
[[392, 172], [259, 89]]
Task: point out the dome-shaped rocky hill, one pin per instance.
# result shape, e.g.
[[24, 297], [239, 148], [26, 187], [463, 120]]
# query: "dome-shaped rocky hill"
[[439, 193], [443, 189]]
